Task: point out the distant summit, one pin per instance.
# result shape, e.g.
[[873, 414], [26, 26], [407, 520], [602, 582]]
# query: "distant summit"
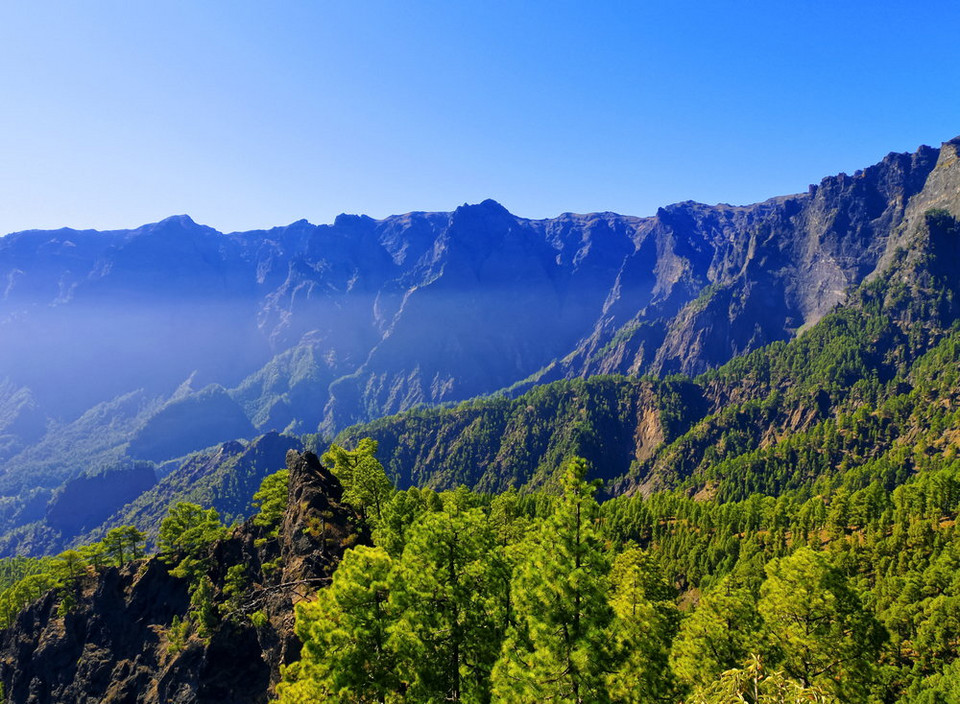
[[312, 328]]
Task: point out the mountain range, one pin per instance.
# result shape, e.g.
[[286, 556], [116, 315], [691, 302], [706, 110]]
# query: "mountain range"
[[123, 352]]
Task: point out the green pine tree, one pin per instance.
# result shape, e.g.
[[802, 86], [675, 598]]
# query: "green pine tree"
[[451, 601], [365, 484], [557, 649], [345, 631], [817, 623], [271, 500], [719, 635], [645, 621]]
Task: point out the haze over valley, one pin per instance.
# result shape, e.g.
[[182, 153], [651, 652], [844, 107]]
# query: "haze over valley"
[[628, 372]]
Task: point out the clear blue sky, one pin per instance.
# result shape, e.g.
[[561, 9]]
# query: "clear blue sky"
[[253, 114]]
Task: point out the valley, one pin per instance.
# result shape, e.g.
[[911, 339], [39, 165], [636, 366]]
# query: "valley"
[[396, 460]]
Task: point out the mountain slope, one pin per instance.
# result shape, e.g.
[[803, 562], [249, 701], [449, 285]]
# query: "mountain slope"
[[115, 633], [154, 342], [435, 307], [223, 477], [873, 385]]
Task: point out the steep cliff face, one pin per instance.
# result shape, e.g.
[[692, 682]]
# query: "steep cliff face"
[[174, 336], [731, 279], [373, 316], [119, 641], [742, 428]]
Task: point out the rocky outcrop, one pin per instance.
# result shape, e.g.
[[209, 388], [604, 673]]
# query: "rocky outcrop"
[[118, 641]]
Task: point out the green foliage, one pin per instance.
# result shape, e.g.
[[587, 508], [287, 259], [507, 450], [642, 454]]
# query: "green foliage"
[[366, 486], [271, 567], [755, 684], [23, 592], [178, 634], [70, 565], [188, 530], [848, 597], [186, 535], [202, 610], [719, 635], [123, 544], [345, 632], [271, 501], [259, 619], [234, 587], [557, 648], [491, 444], [401, 512], [13, 569], [645, 622], [818, 627], [451, 602]]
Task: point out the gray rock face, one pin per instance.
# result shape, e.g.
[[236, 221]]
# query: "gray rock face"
[[318, 327]]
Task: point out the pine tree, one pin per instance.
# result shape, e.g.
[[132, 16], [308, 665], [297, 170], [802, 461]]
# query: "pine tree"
[[817, 623], [346, 653], [271, 500], [365, 485], [70, 565], [203, 611], [719, 635], [451, 606], [645, 621], [185, 536], [558, 649], [403, 510]]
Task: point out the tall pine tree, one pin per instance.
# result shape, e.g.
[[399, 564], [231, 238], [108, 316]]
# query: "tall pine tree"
[[557, 649], [345, 632], [447, 593]]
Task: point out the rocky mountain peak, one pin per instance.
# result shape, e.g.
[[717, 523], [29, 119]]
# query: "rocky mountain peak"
[[349, 221], [487, 215], [175, 225], [315, 328], [948, 152], [183, 220]]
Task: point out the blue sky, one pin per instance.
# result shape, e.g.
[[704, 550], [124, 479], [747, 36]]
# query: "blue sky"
[[253, 114]]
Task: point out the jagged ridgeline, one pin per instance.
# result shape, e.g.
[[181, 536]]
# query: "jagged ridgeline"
[[873, 385], [143, 346], [776, 427]]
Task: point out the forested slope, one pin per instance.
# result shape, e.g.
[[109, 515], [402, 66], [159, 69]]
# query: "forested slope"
[[873, 385], [780, 528], [150, 343], [413, 596]]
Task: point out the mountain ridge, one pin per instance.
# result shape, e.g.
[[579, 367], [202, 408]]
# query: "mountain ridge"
[[735, 430], [314, 328]]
